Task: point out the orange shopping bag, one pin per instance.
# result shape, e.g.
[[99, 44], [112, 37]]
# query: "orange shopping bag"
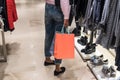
[[64, 46]]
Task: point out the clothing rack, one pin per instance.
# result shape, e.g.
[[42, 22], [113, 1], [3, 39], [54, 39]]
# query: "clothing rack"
[[3, 58]]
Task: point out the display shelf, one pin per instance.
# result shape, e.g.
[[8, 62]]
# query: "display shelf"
[[112, 51], [97, 71], [84, 56]]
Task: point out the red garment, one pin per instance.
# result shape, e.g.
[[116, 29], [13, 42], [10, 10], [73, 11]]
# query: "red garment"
[[11, 13]]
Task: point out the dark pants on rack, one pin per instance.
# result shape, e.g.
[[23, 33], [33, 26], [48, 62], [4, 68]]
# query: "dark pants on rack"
[[117, 59], [53, 22]]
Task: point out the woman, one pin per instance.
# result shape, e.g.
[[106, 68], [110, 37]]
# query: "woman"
[[55, 17]]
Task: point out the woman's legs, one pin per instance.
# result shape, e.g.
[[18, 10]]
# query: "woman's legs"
[[53, 22], [49, 32]]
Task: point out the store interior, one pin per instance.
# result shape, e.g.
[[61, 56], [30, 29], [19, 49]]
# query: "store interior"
[[22, 49]]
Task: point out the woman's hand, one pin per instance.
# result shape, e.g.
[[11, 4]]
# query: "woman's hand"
[[66, 22]]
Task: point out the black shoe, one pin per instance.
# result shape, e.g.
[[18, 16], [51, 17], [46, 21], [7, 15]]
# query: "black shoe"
[[76, 32], [83, 40], [49, 63], [89, 51], [118, 68], [90, 48], [86, 48], [60, 72]]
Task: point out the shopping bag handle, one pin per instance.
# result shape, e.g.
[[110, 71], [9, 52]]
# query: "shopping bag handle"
[[65, 30]]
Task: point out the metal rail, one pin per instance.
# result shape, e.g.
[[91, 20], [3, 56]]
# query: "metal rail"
[[3, 58]]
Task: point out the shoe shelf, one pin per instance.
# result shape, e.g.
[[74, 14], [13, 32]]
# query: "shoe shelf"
[[112, 51], [84, 56], [97, 70]]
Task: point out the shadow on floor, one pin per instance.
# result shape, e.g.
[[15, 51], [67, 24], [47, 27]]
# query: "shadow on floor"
[[12, 48]]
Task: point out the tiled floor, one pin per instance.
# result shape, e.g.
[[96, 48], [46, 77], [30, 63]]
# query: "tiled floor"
[[26, 49]]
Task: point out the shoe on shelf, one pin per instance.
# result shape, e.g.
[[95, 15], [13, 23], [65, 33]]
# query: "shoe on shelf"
[[112, 71], [90, 48], [96, 57], [90, 51], [99, 61], [105, 70], [105, 61], [76, 32], [86, 47], [83, 40], [56, 73], [49, 63], [118, 68], [109, 71], [101, 56]]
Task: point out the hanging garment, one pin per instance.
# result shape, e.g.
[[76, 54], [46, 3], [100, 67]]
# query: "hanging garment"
[[89, 19], [12, 13], [97, 10], [88, 12], [80, 6], [117, 58], [4, 14], [117, 26], [95, 13], [105, 38], [117, 36], [105, 12], [84, 7]]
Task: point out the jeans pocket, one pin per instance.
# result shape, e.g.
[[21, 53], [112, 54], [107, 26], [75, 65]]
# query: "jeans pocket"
[[58, 15]]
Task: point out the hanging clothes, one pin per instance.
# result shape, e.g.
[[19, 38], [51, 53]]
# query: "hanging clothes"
[[105, 38], [97, 10], [117, 59], [12, 13], [93, 14], [105, 12], [4, 14], [117, 36], [88, 20], [80, 8], [117, 26]]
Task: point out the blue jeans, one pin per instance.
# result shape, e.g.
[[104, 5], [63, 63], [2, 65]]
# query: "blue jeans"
[[53, 22]]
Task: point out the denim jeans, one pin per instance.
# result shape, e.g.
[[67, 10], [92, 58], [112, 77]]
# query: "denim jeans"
[[53, 22]]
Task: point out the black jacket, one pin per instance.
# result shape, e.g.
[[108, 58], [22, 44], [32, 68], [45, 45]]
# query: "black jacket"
[[4, 15]]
